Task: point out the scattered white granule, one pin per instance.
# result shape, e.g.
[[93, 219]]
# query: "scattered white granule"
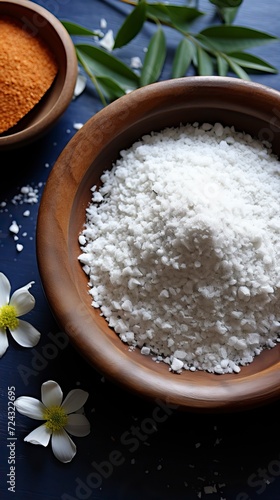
[[26, 213], [19, 247], [27, 194], [107, 42], [103, 23], [80, 85], [136, 62], [145, 350], [176, 365], [208, 490], [14, 228], [181, 245], [82, 240], [77, 126]]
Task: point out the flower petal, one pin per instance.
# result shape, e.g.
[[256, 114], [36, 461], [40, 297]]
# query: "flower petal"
[[4, 343], [30, 407], [63, 447], [5, 290], [40, 435], [78, 425], [25, 334], [74, 400], [51, 393], [22, 300]]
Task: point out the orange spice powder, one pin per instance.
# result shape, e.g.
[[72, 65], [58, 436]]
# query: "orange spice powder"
[[27, 70]]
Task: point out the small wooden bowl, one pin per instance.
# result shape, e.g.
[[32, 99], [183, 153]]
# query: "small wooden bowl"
[[39, 21], [250, 107]]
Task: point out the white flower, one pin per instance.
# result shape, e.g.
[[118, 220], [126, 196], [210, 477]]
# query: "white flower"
[[20, 303], [59, 417]]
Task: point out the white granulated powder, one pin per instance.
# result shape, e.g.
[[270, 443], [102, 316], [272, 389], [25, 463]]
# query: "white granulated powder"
[[181, 245]]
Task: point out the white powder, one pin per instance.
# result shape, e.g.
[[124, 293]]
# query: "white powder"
[[182, 247]]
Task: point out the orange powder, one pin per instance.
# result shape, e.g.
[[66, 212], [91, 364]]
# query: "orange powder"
[[27, 70]]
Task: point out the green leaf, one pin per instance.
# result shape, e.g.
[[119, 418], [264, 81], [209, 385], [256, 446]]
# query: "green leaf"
[[154, 58], [238, 70], [182, 59], [228, 14], [252, 62], [158, 12], [132, 25], [182, 17], [110, 88], [174, 14], [100, 63], [226, 3], [222, 66], [75, 29], [235, 38], [204, 63], [205, 43]]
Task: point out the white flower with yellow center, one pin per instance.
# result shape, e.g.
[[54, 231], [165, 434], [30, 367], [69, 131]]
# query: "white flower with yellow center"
[[20, 303], [59, 417]]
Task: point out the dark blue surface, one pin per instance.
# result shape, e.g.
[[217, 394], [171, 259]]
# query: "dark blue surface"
[[124, 457]]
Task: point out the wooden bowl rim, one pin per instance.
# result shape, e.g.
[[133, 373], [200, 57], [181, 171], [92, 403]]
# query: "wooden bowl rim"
[[195, 391]]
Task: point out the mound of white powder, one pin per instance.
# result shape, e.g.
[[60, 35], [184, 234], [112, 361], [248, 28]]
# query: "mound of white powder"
[[182, 247]]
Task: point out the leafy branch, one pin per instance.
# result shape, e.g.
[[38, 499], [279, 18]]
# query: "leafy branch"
[[217, 49]]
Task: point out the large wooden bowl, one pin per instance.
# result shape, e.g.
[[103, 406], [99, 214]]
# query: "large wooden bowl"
[[38, 21], [250, 107]]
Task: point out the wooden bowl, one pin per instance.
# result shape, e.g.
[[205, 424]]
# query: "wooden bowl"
[[38, 21], [250, 107]]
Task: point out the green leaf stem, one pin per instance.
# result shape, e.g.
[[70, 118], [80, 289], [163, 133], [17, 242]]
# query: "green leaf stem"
[[101, 63], [172, 14], [219, 48], [110, 88]]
